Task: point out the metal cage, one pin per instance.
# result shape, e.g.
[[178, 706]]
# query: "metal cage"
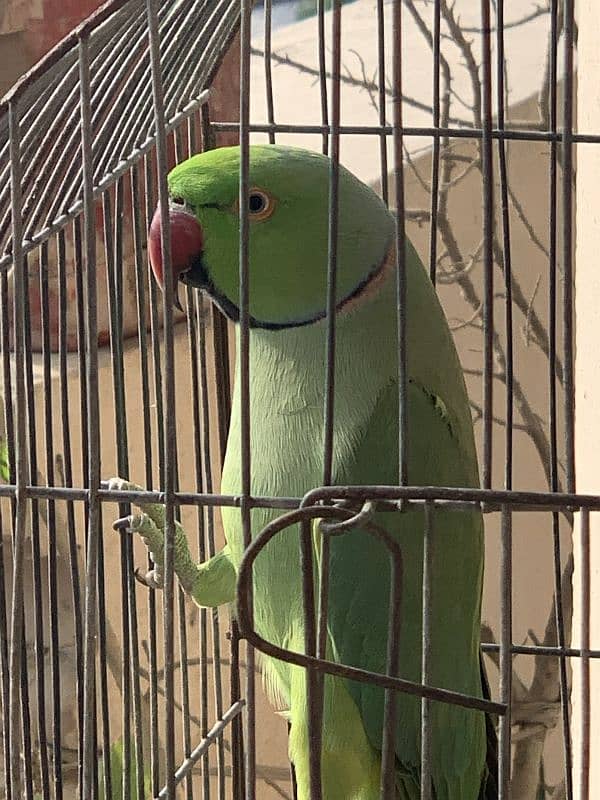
[[162, 701]]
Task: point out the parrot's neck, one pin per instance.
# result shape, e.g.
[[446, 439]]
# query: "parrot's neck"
[[360, 327], [299, 354], [288, 381]]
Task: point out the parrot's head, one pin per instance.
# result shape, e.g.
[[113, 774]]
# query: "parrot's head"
[[288, 207]]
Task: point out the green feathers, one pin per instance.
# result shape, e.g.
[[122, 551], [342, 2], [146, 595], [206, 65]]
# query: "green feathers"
[[288, 258]]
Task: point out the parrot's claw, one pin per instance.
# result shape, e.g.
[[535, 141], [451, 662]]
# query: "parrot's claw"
[[143, 524], [150, 526], [152, 579], [118, 485], [122, 524]]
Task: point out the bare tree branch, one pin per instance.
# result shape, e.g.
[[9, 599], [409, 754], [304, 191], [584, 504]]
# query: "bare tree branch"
[[539, 11], [285, 60], [460, 40]]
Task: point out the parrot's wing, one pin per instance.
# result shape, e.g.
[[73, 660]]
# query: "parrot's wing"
[[360, 584]]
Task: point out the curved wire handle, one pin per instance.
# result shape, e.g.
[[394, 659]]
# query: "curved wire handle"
[[391, 682], [246, 621]]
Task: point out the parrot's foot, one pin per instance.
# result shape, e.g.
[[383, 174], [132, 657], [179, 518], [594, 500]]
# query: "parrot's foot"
[[150, 527], [155, 511], [142, 524], [211, 583]]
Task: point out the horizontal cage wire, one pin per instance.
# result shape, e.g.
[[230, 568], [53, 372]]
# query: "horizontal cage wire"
[[462, 118]]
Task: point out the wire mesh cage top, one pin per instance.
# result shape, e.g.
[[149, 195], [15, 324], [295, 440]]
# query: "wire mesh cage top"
[[123, 128]]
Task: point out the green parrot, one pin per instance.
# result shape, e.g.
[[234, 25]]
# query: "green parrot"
[[288, 246]]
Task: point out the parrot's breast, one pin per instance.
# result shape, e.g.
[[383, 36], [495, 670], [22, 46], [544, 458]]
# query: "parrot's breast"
[[287, 396], [288, 385]]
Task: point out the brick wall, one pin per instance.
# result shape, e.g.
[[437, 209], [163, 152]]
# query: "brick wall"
[[29, 28]]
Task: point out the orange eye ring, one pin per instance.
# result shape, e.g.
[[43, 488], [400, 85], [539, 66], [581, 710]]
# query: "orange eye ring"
[[261, 204]]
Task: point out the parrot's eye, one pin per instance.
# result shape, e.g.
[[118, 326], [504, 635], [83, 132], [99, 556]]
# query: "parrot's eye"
[[260, 205], [257, 203]]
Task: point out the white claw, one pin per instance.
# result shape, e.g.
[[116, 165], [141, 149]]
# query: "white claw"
[[135, 524], [137, 521], [115, 484], [154, 579]]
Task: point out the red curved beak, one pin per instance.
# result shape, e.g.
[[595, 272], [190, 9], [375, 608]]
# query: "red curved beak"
[[187, 242]]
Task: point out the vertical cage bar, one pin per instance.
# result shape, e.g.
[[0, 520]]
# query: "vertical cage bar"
[[318, 678], [142, 276], [193, 337], [155, 339], [426, 649], [67, 479], [381, 100], [332, 245], [180, 143], [131, 692], [435, 155], [268, 69], [487, 172], [210, 540], [585, 696], [197, 354], [4, 557], [400, 238], [51, 526], [112, 256], [244, 360], [82, 354], [7, 383], [237, 737], [220, 341], [314, 701], [324, 571], [140, 721], [36, 558], [142, 322], [109, 783], [142, 319], [552, 377], [552, 244], [5, 320], [4, 672], [93, 443], [220, 335], [323, 72], [506, 247], [185, 692], [567, 243], [504, 730], [27, 752], [390, 705], [170, 440], [21, 455], [195, 341]]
